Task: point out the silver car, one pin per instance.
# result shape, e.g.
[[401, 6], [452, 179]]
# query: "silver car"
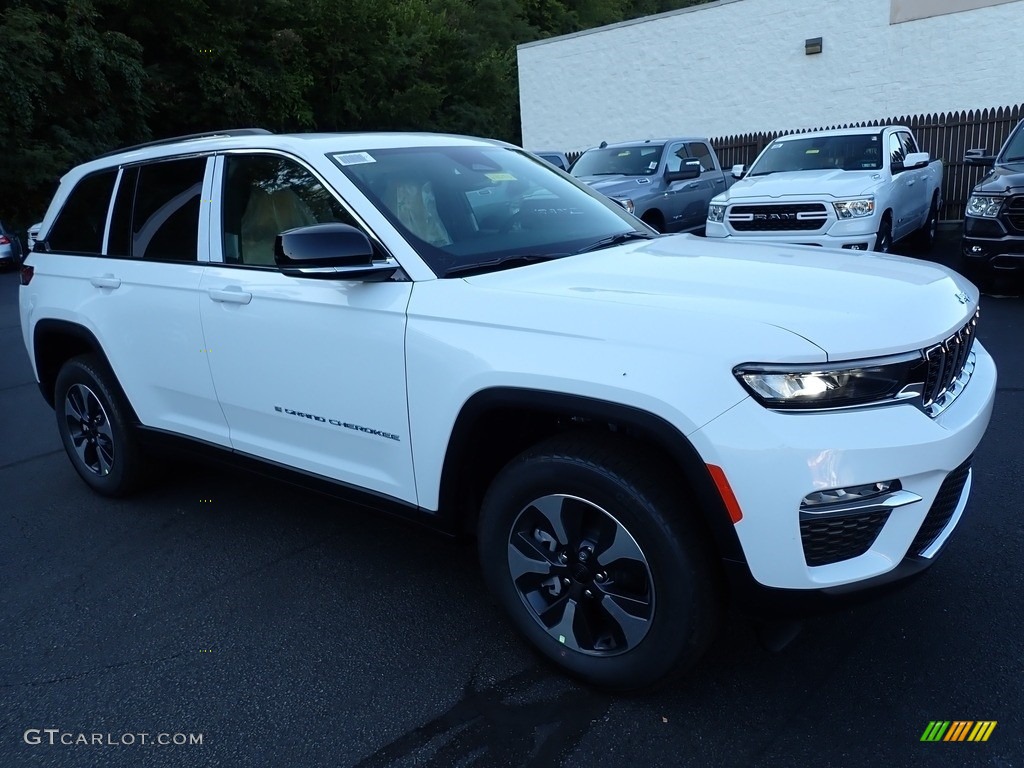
[[10, 247]]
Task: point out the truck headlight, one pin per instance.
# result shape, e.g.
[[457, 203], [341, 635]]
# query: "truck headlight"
[[985, 207], [839, 385], [625, 202], [855, 209], [716, 212]]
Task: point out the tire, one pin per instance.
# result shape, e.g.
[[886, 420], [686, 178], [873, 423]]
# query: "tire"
[[655, 220], [883, 240], [96, 426], [624, 540], [925, 239]]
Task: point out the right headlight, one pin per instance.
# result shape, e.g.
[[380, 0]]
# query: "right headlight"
[[716, 212], [626, 203], [984, 207], [835, 385]]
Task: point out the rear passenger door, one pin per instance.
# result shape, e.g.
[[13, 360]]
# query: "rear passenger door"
[[129, 240], [310, 373]]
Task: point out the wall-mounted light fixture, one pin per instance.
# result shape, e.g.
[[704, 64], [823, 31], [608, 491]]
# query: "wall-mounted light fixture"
[[812, 45]]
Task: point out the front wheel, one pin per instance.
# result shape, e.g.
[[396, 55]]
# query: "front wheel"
[[883, 240], [588, 547], [927, 234]]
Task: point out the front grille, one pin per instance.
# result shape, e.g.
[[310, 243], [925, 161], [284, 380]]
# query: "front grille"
[[946, 362], [831, 539], [942, 508], [801, 217], [1015, 212]]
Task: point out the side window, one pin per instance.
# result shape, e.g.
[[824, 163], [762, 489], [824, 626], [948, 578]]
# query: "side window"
[[909, 145], [700, 150], [675, 156], [165, 221], [265, 195], [895, 149], [80, 223]]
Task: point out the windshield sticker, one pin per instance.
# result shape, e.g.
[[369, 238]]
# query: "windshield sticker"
[[652, 165], [500, 176], [354, 158], [812, 151], [624, 153]]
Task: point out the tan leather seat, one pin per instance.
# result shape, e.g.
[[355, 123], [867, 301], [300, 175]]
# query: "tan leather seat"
[[267, 214], [415, 206]]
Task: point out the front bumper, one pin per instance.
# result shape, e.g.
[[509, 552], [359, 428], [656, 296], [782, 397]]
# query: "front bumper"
[[824, 450], [990, 245]]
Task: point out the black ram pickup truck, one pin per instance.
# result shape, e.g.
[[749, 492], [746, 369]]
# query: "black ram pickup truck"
[[993, 242]]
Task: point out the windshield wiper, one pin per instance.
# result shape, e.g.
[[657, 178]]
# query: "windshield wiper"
[[761, 173], [1014, 159], [505, 262], [622, 237]]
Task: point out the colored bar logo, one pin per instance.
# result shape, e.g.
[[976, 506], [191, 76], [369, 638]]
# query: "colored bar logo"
[[959, 730]]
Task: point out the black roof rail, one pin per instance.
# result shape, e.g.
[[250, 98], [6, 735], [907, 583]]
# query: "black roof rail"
[[174, 139]]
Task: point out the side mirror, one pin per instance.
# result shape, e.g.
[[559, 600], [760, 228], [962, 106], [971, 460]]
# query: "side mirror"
[[329, 252], [979, 157], [916, 160], [690, 169], [738, 171]]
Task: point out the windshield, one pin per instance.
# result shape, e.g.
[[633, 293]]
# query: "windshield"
[[1014, 149], [847, 153], [460, 206], [641, 160]]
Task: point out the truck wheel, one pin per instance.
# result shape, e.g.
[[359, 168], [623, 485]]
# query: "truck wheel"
[[96, 429], [586, 545], [654, 219], [883, 240], [926, 234]]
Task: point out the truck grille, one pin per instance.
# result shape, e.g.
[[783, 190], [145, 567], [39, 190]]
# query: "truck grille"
[[942, 509], [832, 539], [946, 363], [803, 217], [1015, 212]]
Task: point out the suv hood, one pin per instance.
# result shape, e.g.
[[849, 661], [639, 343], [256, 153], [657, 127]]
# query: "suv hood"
[[1002, 178], [618, 185], [824, 183], [851, 305]]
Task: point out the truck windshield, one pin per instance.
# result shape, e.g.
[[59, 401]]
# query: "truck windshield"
[[641, 160], [849, 153], [467, 206], [1014, 150]]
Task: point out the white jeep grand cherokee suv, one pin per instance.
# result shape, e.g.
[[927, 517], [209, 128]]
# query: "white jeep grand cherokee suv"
[[639, 429]]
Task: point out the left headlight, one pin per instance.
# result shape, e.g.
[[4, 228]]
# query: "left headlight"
[[716, 212], [855, 209], [841, 385]]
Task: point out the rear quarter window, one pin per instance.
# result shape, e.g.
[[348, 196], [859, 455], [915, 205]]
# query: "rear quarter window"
[[80, 224]]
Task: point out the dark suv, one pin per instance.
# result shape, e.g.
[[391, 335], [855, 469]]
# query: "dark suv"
[[994, 222]]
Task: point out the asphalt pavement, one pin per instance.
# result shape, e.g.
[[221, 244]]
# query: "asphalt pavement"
[[280, 628]]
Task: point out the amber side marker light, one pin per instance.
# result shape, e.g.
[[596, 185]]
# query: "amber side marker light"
[[26, 274], [725, 491]]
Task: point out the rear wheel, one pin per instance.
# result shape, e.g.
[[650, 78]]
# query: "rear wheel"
[[926, 234], [586, 544], [94, 422]]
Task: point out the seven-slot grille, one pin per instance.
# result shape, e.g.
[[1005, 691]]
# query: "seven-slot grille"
[[1015, 212], [778, 218], [946, 362]]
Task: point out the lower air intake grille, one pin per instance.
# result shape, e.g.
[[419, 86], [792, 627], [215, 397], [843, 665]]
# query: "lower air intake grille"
[[942, 509], [832, 539]]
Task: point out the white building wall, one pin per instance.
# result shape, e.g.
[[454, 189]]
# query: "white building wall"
[[736, 66]]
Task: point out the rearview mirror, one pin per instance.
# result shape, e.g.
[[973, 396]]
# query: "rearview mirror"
[[330, 251]]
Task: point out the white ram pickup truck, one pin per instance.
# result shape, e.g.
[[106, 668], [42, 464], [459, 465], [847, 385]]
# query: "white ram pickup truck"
[[856, 188]]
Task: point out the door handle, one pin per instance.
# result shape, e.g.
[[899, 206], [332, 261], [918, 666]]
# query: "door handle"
[[694, 185], [232, 295], [106, 281], [910, 182]]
